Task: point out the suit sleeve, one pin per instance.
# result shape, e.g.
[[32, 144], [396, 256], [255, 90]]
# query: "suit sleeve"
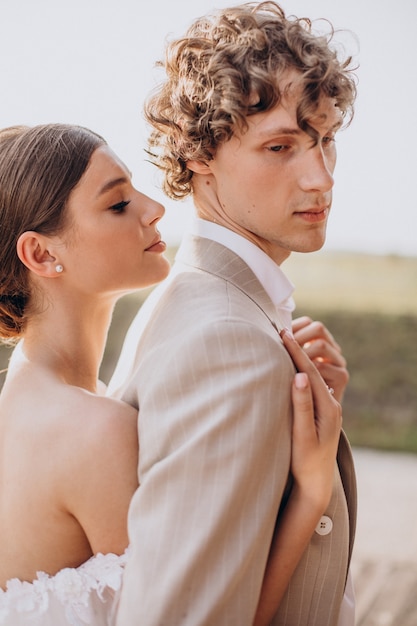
[[215, 436]]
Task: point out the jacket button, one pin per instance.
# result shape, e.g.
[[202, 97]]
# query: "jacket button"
[[325, 525]]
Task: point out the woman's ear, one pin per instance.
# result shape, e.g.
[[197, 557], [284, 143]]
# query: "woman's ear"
[[199, 167], [33, 250]]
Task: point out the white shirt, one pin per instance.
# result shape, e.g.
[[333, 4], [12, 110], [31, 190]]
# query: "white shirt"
[[276, 284], [279, 288]]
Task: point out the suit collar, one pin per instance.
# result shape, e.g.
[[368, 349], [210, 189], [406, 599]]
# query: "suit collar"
[[275, 282], [212, 257]]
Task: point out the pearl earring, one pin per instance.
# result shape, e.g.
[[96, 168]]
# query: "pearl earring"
[[59, 268]]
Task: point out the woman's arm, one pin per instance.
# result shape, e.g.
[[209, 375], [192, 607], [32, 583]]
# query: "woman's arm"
[[316, 431], [103, 476]]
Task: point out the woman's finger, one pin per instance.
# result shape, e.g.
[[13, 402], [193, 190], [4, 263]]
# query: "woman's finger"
[[315, 439], [301, 360], [322, 350], [304, 429], [306, 330], [323, 400], [300, 322]]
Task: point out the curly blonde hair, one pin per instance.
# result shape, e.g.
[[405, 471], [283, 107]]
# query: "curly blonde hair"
[[213, 72]]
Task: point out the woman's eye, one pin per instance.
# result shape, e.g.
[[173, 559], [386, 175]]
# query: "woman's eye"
[[120, 206]]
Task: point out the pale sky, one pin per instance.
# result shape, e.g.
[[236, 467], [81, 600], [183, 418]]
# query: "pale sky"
[[91, 62]]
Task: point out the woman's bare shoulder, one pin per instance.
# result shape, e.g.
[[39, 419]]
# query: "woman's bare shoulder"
[[100, 470], [65, 418], [97, 419]]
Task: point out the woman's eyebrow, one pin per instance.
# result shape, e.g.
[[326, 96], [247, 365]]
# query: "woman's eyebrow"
[[114, 182]]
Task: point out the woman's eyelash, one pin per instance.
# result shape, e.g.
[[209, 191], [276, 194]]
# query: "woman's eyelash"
[[120, 206]]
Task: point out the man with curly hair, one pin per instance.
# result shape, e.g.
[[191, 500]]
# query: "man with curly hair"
[[245, 123]]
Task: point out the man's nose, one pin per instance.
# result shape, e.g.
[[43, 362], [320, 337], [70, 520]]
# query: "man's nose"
[[317, 173]]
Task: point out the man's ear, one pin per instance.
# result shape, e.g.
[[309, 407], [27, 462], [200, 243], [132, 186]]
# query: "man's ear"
[[199, 167], [33, 249]]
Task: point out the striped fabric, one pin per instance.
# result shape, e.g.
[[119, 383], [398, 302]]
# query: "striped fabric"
[[206, 367]]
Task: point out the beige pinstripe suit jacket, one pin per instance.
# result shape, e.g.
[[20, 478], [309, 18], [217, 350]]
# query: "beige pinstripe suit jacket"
[[206, 364]]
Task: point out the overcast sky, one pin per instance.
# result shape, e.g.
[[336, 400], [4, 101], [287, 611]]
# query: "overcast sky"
[[91, 62]]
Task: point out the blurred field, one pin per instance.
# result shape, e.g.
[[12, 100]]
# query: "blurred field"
[[370, 305], [356, 283]]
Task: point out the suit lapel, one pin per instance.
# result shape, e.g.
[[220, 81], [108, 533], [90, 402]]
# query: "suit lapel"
[[212, 257], [347, 474]]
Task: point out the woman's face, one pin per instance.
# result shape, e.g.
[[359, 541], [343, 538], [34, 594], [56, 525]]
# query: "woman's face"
[[111, 244]]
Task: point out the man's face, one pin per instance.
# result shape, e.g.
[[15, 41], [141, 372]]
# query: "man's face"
[[272, 183]]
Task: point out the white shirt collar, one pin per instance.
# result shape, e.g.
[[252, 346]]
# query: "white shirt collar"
[[276, 284]]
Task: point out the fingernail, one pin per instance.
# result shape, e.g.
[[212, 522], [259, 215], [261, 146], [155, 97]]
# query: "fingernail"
[[301, 380], [287, 332]]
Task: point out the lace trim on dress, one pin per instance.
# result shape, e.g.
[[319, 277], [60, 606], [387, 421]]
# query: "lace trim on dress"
[[77, 592]]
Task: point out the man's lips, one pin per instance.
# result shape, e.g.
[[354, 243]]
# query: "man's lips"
[[314, 215]]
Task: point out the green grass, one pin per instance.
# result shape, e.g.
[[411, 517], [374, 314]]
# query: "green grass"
[[369, 303], [380, 404]]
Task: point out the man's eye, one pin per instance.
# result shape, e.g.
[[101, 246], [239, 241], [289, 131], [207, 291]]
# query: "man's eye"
[[328, 140], [120, 206], [279, 148]]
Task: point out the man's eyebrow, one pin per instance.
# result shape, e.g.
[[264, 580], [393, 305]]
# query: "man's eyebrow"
[[121, 180], [294, 130], [336, 126], [280, 130]]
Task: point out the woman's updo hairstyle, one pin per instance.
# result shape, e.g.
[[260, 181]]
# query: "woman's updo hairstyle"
[[39, 167]]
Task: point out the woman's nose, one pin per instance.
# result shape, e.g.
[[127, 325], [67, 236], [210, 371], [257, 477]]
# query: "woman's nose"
[[151, 210]]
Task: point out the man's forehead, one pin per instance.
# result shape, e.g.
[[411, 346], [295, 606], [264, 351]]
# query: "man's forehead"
[[282, 119], [291, 88]]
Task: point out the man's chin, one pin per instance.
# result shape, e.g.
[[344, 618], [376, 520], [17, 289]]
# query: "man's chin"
[[305, 247]]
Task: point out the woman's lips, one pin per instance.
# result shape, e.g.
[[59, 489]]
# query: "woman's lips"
[[157, 246]]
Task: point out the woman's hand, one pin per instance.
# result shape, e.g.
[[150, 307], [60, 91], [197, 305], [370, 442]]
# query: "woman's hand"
[[316, 427], [316, 431], [324, 351]]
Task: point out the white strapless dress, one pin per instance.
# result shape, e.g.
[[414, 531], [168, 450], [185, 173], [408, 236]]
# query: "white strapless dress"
[[73, 597]]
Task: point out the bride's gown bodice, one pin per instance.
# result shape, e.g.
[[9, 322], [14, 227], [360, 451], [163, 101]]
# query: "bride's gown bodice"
[[73, 597]]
